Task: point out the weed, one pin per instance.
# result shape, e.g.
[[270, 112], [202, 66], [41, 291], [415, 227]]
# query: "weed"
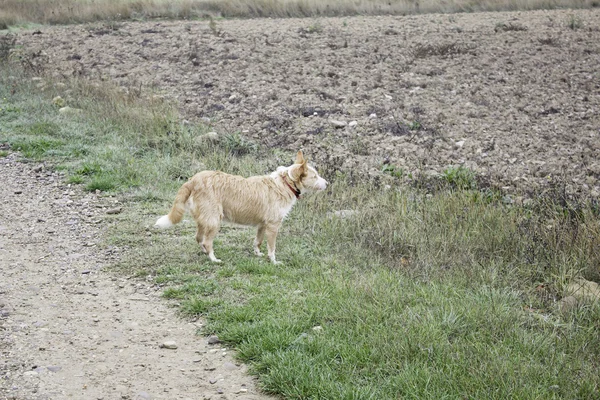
[[392, 170], [101, 183], [194, 54], [75, 179], [439, 49], [415, 125], [212, 25], [7, 43], [88, 169], [313, 28], [460, 178], [4, 153], [359, 147], [238, 145], [574, 22]]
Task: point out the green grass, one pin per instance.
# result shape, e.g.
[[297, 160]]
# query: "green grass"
[[442, 290]]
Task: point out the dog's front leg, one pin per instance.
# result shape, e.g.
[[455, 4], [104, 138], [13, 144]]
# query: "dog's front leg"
[[260, 234], [271, 231]]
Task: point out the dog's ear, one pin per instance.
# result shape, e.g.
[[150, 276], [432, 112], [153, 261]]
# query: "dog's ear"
[[296, 171], [300, 158]]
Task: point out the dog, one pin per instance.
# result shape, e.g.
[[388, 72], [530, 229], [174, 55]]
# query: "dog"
[[261, 201]]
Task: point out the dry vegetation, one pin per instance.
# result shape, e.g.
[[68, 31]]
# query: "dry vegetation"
[[14, 12]]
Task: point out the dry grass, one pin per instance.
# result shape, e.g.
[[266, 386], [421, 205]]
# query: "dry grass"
[[13, 12]]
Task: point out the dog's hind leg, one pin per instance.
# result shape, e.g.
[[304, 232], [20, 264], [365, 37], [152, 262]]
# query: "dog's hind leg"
[[260, 234], [271, 232], [209, 235], [200, 237]]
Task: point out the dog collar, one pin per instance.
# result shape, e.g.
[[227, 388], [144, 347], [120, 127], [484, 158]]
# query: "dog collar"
[[292, 188]]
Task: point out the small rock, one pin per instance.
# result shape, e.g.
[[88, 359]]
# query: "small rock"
[[213, 381], [584, 289], [169, 344], [58, 101], [567, 304], [459, 144], [30, 374], [39, 168], [115, 210], [143, 396], [85, 272], [18, 191], [69, 111], [431, 173], [230, 366], [53, 368], [220, 391], [212, 136], [338, 124], [342, 213], [214, 339], [373, 115], [352, 124], [317, 328]]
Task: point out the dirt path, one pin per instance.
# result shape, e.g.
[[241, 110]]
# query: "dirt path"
[[70, 330]]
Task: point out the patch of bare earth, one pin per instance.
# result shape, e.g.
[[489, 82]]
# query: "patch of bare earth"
[[70, 330], [514, 96]]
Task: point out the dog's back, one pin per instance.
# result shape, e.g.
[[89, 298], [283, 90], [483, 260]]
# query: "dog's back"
[[246, 201]]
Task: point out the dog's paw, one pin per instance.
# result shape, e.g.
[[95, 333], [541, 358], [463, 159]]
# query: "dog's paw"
[[259, 253], [276, 262], [163, 222], [213, 258]]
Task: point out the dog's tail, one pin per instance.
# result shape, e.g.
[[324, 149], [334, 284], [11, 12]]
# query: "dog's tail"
[[176, 213]]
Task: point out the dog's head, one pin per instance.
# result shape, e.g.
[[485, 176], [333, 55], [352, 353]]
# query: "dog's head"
[[304, 176]]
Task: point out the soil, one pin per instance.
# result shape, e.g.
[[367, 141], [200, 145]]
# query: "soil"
[[514, 96], [71, 330]]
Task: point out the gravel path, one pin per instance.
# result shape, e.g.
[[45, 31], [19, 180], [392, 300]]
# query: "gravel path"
[[68, 329]]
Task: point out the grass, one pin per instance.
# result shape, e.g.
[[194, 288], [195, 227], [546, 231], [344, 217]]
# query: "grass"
[[441, 290], [16, 12]]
